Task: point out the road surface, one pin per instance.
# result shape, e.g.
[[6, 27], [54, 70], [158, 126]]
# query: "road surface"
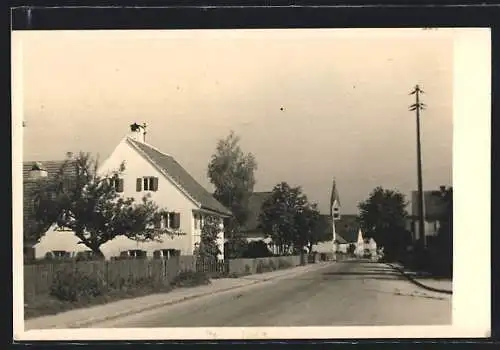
[[344, 293]]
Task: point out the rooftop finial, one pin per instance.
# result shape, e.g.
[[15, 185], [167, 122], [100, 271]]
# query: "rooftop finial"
[[136, 130]]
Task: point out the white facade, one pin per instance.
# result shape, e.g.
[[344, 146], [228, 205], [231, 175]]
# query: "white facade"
[[169, 196]]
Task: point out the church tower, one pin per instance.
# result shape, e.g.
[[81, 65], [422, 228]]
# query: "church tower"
[[334, 210], [334, 203]]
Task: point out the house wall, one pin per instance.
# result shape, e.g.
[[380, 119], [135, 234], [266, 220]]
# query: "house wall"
[[324, 247], [430, 228], [343, 247], [256, 236], [168, 197]]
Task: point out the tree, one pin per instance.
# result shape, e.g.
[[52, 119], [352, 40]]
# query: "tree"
[[312, 227], [36, 220], [282, 217], [208, 249], [231, 171], [383, 218], [87, 204]]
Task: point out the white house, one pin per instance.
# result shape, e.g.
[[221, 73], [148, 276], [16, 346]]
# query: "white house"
[[172, 188]]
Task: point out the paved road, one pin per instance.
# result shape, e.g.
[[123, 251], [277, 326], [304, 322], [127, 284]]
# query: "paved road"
[[348, 293]]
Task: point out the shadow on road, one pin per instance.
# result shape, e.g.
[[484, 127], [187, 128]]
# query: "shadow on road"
[[367, 271]]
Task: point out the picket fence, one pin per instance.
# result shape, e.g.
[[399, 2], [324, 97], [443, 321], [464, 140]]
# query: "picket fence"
[[38, 278]]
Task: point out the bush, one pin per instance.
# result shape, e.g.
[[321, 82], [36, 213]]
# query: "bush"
[[257, 249], [74, 285]]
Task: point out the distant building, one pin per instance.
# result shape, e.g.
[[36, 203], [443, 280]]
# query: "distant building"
[[434, 210]]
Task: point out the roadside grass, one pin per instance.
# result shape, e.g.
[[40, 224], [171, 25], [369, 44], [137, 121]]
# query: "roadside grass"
[[66, 295]]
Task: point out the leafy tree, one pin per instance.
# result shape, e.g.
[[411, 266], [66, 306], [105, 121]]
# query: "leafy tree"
[[35, 218], [383, 217], [80, 200], [282, 217], [231, 171], [312, 227], [208, 249]]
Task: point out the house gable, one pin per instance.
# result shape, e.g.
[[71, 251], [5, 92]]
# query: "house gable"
[[178, 175], [168, 194]]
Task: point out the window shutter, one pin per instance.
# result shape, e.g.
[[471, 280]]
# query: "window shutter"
[[120, 185], [165, 220], [155, 184], [177, 220], [138, 186]]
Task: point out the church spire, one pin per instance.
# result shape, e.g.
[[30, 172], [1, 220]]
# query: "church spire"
[[335, 194], [334, 201]]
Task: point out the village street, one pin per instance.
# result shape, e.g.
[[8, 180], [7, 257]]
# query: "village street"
[[340, 294]]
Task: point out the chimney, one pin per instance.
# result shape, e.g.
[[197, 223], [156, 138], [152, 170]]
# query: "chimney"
[[442, 188], [37, 171], [138, 132]]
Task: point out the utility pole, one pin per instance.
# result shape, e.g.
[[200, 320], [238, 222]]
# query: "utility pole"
[[417, 107]]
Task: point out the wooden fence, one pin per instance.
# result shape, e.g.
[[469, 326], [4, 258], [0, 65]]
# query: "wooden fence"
[[38, 278]]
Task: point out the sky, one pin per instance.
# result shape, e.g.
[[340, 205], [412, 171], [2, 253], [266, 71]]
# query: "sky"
[[311, 105]]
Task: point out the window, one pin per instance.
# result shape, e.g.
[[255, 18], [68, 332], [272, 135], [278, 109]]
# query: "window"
[[147, 183], [196, 222], [174, 220], [117, 184], [137, 253]]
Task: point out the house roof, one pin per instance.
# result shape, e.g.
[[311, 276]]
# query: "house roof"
[[434, 205], [29, 186], [254, 206], [347, 228], [170, 166]]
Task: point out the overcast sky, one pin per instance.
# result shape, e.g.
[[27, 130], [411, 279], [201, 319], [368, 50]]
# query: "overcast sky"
[[344, 97]]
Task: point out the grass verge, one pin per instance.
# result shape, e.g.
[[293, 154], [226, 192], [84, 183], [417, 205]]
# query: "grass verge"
[[49, 304]]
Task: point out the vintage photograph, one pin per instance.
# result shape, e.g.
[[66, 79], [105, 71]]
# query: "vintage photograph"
[[237, 178]]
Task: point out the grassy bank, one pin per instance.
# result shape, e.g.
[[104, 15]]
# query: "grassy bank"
[[74, 291]]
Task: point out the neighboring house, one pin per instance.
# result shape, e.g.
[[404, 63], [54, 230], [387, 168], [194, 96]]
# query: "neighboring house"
[[252, 232], [348, 231], [150, 171], [35, 173], [434, 210]]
